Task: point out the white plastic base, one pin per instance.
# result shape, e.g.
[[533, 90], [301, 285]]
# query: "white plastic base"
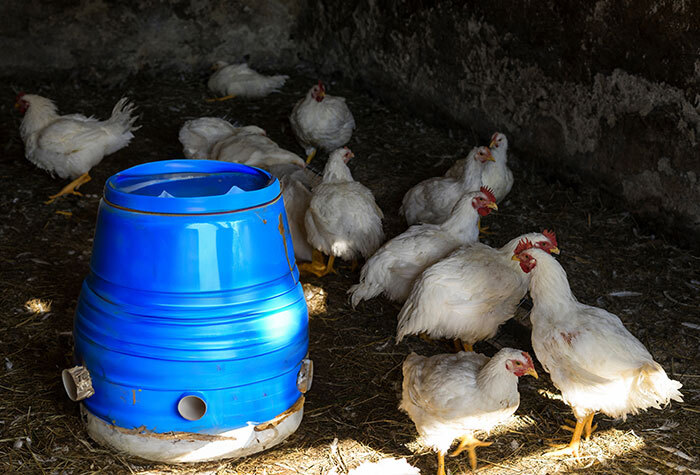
[[177, 447]]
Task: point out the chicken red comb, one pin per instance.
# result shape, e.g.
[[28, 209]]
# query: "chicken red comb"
[[523, 245], [551, 236], [493, 137], [19, 96], [489, 193], [527, 357], [321, 86]]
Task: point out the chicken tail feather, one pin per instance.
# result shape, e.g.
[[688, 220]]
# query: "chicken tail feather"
[[655, 388]]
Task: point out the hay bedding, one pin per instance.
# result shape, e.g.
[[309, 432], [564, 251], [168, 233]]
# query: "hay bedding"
[[351, 412]]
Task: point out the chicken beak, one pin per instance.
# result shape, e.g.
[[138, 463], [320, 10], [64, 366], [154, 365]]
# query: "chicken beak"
[[531, 371], [490, 157], [493, 142], [322, 94], [492, 205], [554, 250], [515, 258], [17, 106]]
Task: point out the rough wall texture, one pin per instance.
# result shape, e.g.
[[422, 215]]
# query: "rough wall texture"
[[115, 38], [606, 89]]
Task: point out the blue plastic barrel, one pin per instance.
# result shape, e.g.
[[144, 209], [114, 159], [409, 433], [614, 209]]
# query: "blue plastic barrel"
[[193, 290]]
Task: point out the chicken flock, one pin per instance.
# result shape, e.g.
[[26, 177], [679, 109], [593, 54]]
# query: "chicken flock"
[[451, 285]]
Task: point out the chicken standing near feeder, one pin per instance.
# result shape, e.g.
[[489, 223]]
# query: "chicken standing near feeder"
[[396, 265], [451, 396], [321, 121], [343, 219], [596, 363], [70, 145]]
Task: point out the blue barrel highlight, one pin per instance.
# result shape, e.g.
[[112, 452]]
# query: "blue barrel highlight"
[[193, 290]]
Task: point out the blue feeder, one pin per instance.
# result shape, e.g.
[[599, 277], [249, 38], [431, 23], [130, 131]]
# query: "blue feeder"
[[192, 327]]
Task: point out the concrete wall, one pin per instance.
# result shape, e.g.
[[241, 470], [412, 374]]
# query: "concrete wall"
[[112, 39], [607, 89]]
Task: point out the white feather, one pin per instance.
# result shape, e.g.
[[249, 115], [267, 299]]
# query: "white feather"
[[387, 466], [452, 395], [432, 200], [250, 146], [198, 136], [296, 201], [467, 295], [394, 267], [71, 145], [242, 81], [497, 175], [596, 363], [325, 125], [343, 219]]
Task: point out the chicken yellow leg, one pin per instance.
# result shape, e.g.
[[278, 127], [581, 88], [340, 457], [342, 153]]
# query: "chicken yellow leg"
[[588, 427], [484, 229], [310, 156], [461, 346], [70, 188], [220, 99], [575, 444], [316, 266], [441, 463], [469, 442]]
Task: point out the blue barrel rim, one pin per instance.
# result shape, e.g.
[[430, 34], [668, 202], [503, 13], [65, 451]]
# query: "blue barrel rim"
[[253, 188]]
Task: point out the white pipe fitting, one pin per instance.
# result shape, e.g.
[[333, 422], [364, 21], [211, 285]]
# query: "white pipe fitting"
[[77, 383], [305, 376]]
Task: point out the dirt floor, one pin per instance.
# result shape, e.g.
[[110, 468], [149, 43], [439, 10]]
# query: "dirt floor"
[[351, 412]]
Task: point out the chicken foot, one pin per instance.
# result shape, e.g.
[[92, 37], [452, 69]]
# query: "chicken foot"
[[70, 188], [484, 229], [469, 442], [317, 266], [220, 99], [588, 428], [573, 447]]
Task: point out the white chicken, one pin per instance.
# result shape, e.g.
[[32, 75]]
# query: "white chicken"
[[70, 145], [250, 146], [451, 396], [596, 363], [321, 121], [343, 219], [296, 201], [431, 200], [198, 136], [468, 294], [394, 267], [239, 80], [497, 176]]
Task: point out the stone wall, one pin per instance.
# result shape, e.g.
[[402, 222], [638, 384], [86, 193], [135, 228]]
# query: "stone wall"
[[111, 39], [606, 90]]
